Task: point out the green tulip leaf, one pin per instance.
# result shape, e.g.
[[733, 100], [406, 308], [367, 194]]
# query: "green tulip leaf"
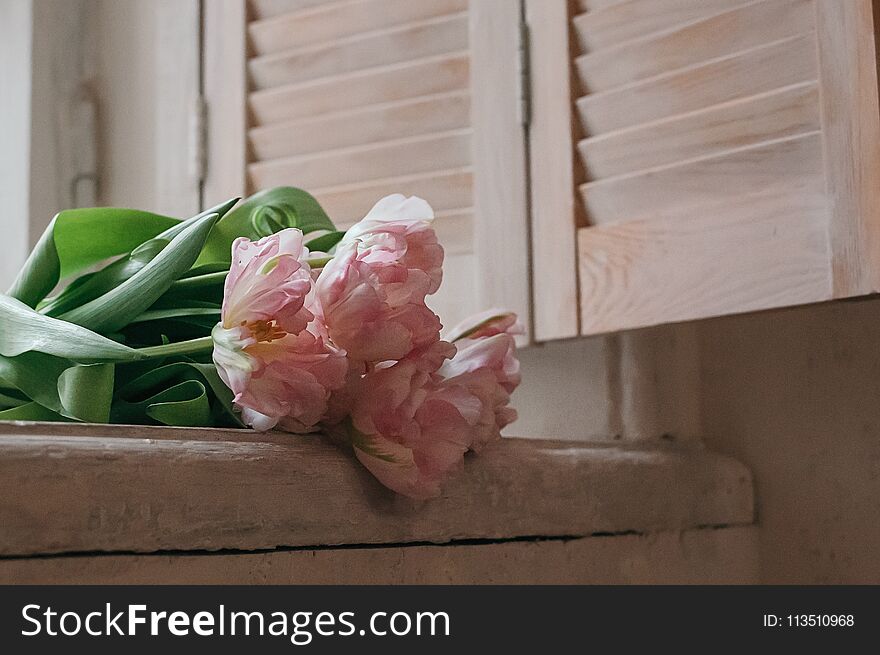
[[114, 309], [79, 238], [262, 214], [75, 391], [25, 330]]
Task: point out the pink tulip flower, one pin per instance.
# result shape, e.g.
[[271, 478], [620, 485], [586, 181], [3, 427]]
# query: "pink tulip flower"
[[371, 295], [267, 346]]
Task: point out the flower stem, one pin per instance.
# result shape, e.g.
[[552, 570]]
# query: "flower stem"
[[191, 347]]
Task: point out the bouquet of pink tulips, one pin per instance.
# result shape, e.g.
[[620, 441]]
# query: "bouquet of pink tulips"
[[114, 318]]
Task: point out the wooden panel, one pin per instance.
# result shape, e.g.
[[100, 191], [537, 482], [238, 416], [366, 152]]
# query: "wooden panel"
[[750, 121], [269, 8], [362, 125], [207, 489], [443, 189], [851, 131], [365, 50], [790, 162], [407, 80], [225, 84], [761, 251], [334, 20], [761, 69], [626, 20], [501, 232], [703, 556], [551, 167], [723, 34], [392, 158]]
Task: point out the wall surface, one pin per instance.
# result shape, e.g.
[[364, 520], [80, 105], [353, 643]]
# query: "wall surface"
[[795, 395], [15, 105]]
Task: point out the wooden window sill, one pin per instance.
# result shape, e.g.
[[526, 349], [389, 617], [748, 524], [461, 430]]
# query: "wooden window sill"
[[68, 488]]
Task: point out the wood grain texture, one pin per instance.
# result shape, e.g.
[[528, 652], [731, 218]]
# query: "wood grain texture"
[[445, 190], [225, 86], [750, 121], [261, 9], [702, 556], [757, 70], [610, 25], [501, 231], [722, 34], [362, 125], [791, 163], [431, 75], [75, 488], [851, 135], [371, 49], [419, 154], [334, 20], [551, 168], [736, 255]]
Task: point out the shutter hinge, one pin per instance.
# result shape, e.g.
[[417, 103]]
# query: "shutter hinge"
[[198, 137], [525, 75]]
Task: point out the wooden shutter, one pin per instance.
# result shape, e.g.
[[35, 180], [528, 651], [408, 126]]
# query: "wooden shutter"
[[356, 99], [715, 156]]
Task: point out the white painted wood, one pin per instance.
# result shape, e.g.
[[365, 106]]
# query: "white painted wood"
[[722, 34], [757, 70], [15, 106], [411, 79], [552, 173], [68, 488], [629, 19], [851, 138], [334, 20], [701, 556], [388, 159], [792, 163], [225, 87], [501, 233], [368, 49], [702, 260], [177, 171], [362, 125], [777, 114]]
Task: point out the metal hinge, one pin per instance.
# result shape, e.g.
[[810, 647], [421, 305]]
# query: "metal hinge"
[[198, 137], [525, 75]]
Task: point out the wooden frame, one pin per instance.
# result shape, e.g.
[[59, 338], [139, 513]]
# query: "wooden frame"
[[225, 93], [501, 238], [551, 167]]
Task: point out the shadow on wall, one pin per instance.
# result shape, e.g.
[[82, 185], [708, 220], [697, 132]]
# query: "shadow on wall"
[[795, 395]]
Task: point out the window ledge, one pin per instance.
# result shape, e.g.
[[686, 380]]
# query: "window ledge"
[[68, 488]]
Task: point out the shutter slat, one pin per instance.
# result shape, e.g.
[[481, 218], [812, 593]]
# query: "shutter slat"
[[388, 159], [627, 20], [772, 116], [758, 70], [336, 20], [361, 51], [763, 251], [364, 125], [432, 75], [727, 177], [717, 36], [262, 9], [445, 190]]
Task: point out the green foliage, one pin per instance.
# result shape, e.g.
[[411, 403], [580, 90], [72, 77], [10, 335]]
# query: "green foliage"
[[126, 338]]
